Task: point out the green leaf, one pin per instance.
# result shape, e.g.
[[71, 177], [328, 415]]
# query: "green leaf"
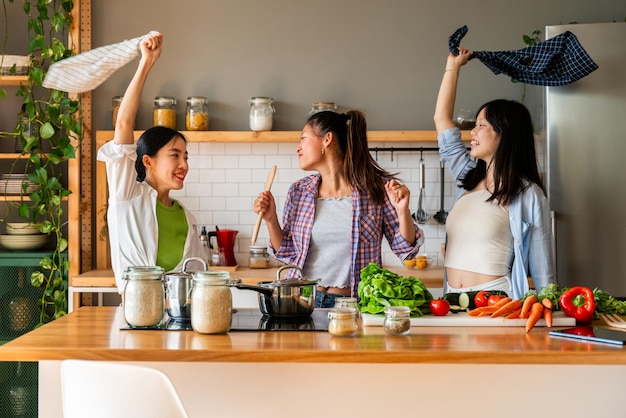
[[46, 131], [37, 278]]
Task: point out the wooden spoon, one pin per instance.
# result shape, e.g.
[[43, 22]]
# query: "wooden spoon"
[[268, 186]]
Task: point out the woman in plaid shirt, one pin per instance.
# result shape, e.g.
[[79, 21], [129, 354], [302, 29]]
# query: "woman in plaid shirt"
[[334, 220]]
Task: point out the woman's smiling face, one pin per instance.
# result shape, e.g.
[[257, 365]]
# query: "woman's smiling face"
[[310, 148], [484, 139]]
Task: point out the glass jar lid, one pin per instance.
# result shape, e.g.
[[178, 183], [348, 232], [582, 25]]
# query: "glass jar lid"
[[213, 278], [345, 302], [196, 100], [342, 313], [397, 312], [258, 249], [261, 100], [164, 101], [143, 272]]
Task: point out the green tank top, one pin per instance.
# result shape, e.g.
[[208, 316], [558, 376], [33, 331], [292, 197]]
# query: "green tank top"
[[172, 235]]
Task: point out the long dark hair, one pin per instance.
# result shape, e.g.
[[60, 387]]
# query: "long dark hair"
[[515, 159], [150, 142], [361, 170]]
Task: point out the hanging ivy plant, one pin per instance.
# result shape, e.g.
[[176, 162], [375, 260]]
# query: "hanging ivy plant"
[[56, 119]]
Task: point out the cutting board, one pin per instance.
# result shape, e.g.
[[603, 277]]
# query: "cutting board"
[[464, 320]]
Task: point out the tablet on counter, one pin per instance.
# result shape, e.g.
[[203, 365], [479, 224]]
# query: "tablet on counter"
[[593, 334]]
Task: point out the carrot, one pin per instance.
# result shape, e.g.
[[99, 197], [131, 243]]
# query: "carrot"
[[547, 315], [483, 309], [501, 302], [514, 314], [528, 302], [547, 303], [507, 308], [536, 313]]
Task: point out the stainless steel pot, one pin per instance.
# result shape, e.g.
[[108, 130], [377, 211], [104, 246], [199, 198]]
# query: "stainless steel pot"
[[285, 298], [178, 291]]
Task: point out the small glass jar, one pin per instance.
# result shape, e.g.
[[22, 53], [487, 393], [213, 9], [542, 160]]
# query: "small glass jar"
[[397, 320], [144, 296], [115, 107], [322, 106], [211, 302], [259, 258], [342, 322], [197, 114], [261, 113], [164, 112], [352, 303]]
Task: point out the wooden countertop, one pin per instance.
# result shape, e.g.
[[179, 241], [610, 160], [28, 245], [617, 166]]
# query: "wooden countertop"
[[432, 277], [94, 333]]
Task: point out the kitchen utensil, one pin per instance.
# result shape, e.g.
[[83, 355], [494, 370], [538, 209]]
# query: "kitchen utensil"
[[442, 215], [421, 216], [225, 245], [268, 186], [285, 298], [177, 291], [614, 321]]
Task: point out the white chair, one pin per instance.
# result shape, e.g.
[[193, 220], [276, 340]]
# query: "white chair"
[[106, 389]]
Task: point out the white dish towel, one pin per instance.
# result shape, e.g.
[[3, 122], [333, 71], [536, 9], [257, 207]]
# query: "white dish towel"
[[86, 71]]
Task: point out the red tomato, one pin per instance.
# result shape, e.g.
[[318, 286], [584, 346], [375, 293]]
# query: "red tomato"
[[482, 298], [439, 307], [493, 299]]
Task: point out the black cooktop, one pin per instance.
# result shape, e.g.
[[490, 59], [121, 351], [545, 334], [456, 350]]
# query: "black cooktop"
[[254, 320]]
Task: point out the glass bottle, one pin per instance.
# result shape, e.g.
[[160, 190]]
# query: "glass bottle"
[[164, 112], [144, 296], [211, 302], [115, 107], [322, 106], [197, 114], [342, 322], [261, 113], [259, 258], [27, 129], [397, 320]]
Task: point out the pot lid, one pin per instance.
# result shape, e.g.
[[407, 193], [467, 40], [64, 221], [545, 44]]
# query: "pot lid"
[[290, 283]]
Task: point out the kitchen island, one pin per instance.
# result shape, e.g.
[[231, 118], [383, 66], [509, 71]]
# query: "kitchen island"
[[251, 373]]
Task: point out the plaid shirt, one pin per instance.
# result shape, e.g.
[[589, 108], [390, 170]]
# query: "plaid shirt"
[[369, 223], [555, 62]]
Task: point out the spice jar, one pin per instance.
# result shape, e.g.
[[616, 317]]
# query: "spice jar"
[[342, 322], [261, 112], [197, 114], [322, 106], [350, 302], [259, 258], [164, 112], [397, 321], [144, 296], [211, 302], [115, 107]]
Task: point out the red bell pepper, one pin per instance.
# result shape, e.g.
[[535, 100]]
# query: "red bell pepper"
[[578, 302]]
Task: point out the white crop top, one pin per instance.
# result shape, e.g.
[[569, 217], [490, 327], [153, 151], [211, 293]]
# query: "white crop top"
[[479, 236]]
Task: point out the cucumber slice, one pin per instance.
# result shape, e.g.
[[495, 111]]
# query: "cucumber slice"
[[464, 300]]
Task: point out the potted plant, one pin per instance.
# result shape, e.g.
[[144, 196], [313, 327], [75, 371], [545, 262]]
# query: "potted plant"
[[56, 135]]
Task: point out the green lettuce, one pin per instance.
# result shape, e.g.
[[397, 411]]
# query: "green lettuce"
[[380, 288]]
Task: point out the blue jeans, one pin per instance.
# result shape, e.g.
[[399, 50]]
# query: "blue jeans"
[[325, 300]]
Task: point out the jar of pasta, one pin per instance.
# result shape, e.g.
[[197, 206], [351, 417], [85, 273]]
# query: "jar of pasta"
[[197, 114], [164, 112], [317, 107], [211, 302], [144, 296], [261, 113]]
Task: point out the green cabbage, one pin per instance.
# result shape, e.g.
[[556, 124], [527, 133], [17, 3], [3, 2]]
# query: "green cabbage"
[[380, 288]]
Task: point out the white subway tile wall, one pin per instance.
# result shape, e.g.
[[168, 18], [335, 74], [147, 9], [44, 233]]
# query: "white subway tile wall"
[[225, 178]]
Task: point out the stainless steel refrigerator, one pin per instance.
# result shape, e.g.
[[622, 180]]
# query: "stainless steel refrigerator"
[[586, 163]]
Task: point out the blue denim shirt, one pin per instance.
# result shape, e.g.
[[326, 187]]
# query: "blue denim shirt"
[[529, 217]]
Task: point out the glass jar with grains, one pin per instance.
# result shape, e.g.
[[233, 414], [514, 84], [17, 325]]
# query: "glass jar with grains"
[[350, 302], [397, 320], [322, 106], [211, 302], [164, 112], [144, 296], [261, 113], [342, 322], [259, 258], [115, 107], [197, 114]]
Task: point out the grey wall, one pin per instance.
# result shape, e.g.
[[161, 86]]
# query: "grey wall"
[[384, 57]]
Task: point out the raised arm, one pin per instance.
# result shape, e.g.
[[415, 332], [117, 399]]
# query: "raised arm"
[[150, 52], [447, 91]]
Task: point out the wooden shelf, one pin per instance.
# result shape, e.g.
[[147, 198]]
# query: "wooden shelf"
[[288, 136], [13, 80]]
